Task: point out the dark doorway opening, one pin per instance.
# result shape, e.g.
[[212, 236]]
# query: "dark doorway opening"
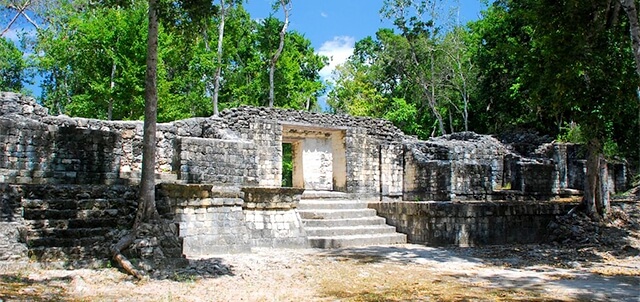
[[287, 165]]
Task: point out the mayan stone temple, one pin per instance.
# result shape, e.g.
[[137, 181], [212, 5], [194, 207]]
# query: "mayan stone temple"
[[69, 185]]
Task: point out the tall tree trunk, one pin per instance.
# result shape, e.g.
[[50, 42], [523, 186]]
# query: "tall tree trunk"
[[147, 195], [595, 191], [216, 85], [630, 8], [147, 205], [274, 59]]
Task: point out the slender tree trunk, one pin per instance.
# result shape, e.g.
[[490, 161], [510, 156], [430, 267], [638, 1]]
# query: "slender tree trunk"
[[147, 198], [466, 111], [112, 85], [147, 203], [274, 59], [451, 130], [433, 95], [207, 84], [216, 85], [465, 99]]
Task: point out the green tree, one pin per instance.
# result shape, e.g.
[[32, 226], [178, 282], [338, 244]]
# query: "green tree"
[[568, 60], [147, 212], [459, 74], [416, 76], [12, 67], [93, 62], [353, 93]]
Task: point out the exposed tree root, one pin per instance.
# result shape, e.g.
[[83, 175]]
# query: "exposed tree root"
[[116, 253], [157, 245]]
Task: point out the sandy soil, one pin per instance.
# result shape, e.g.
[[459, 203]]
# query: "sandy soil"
[[588, 262], [377, 273]]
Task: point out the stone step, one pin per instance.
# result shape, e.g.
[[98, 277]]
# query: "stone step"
[[332, 204], [312, 194], [357, 240], [316, 223], [336, 214], [350, 230]]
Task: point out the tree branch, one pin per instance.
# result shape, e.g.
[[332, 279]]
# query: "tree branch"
[[18, 13]]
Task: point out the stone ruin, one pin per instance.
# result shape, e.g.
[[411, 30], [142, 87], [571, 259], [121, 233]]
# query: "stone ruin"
[[68, 184]]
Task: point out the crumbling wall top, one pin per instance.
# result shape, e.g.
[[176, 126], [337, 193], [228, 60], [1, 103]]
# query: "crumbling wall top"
[[239, 118], [18, 104]]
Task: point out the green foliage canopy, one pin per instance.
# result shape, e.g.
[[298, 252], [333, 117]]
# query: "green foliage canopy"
[[12, 66]]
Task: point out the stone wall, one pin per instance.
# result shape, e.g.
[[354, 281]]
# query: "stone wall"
[[223, 162], [244, 147], [12, 229], [241, 117], [363, 164], [391, 170], [467, 166], [272, 218], [209, 221], [27, 151], [267, 137], [74, 224], [43, 149], [17, 104], [471, 223], [214, 220], [461, 166]]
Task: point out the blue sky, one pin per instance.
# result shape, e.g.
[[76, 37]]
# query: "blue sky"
[[333, 26]]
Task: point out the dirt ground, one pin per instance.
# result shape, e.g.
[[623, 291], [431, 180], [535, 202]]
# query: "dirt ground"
[[606, 268]]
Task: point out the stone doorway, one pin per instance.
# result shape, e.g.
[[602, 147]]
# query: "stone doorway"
[[318, 157]]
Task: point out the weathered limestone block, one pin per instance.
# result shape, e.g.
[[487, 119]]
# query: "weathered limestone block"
[[363, 164], [261, 198], [391, 166], [210, 218], [272, 219], [276, 228], [267, 137]]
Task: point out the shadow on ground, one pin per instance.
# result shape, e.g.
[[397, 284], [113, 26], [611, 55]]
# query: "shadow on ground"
[[15, 287], [596, 263], [195, 269]]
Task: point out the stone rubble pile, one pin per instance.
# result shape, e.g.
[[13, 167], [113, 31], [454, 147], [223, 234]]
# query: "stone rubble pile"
[[577, 227], [524, 143]]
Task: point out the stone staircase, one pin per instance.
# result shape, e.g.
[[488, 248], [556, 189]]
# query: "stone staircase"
[[333, 221]]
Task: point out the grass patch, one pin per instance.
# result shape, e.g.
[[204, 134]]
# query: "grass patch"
[[392, 282]]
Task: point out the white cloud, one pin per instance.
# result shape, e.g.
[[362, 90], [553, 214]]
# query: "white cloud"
[[12, 35], [338, 50], [324, 15]]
